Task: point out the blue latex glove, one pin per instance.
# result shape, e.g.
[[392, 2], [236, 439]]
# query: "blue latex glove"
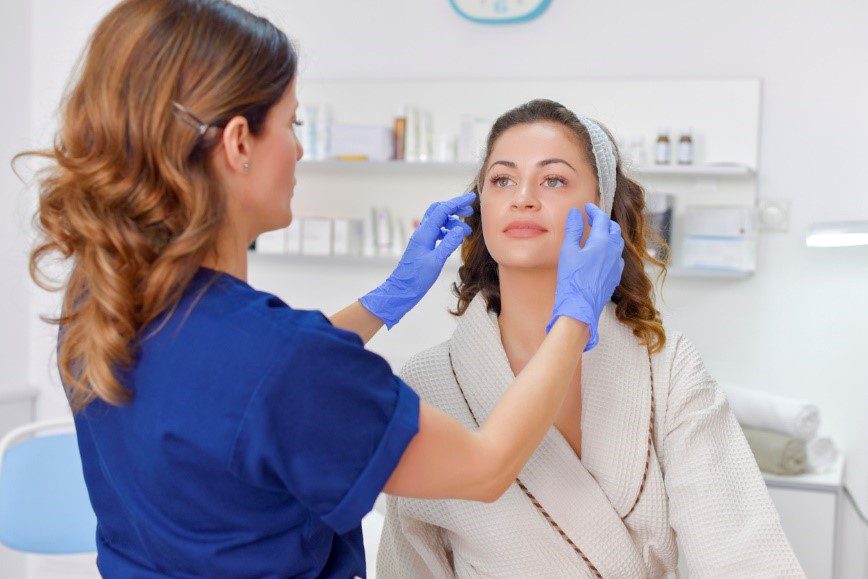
[[588, 276], [422, 261]]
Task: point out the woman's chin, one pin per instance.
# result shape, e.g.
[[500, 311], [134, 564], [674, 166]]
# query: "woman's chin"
[[527, 260]]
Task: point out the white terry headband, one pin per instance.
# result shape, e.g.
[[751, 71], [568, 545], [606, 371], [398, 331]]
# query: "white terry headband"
[[604, 155]]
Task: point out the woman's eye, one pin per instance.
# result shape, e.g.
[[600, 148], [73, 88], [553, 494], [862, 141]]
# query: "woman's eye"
[[298, 123], [502, 181], [554, 182]]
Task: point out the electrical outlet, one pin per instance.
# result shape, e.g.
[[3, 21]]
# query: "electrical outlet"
[[774, 215]]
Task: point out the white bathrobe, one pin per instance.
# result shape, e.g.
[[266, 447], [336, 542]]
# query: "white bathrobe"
[[701, 483]]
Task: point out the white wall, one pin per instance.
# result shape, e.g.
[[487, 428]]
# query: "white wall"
[[15, 136], [795, 328], [14, 231]]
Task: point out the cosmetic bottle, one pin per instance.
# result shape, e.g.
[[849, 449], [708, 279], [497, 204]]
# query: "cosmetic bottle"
[[685, 148], [399, 129], [663, 148]]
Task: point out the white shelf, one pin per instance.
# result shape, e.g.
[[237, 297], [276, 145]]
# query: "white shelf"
[[385, 167], [469, 168], [697, 273], [694, 170], [344, 260], [454, 262]]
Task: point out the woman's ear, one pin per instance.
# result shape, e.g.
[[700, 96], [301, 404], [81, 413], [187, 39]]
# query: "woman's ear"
[[236, 144]]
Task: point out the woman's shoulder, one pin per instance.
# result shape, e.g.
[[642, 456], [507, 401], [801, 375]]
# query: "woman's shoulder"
[[684, 377], [429, 373], [679, 357]]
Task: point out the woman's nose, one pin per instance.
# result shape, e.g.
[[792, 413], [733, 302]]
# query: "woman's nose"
[[525, 198], [299, 150]]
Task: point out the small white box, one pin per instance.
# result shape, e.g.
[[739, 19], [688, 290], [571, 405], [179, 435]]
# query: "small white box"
[[316, 236], [293, 237], [725, 253], [719, 221], [272, 242], [373, 142], [348, 237], [341, 237]]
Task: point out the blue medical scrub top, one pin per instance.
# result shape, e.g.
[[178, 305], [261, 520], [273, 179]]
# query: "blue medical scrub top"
[[257, 439]]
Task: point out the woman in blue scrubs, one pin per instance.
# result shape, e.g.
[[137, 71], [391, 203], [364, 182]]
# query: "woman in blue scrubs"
[[222, 432]]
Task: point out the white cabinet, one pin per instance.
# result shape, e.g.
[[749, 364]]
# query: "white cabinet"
[[808, 518], [809, 506]]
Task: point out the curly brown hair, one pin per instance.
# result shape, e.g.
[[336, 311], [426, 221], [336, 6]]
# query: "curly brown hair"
[[127, 195], [634, 296]]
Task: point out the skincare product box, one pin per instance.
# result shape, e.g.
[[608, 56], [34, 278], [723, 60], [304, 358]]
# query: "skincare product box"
[[471, 139], [316, 236], [347, 236], [381, 227], [361, 141], [293, 237]]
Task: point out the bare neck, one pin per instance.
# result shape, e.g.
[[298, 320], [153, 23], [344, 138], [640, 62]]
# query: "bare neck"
[[527, 297], [229, 254]]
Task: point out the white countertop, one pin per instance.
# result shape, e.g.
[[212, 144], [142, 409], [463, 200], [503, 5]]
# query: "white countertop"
[[832, 480]]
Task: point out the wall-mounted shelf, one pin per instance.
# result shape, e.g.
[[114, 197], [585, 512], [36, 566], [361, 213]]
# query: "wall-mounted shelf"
[[726, 113], [696, 273], [385, 167], [390, 261]]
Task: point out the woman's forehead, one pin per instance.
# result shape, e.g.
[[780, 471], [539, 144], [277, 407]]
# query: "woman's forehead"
[[530, 142]]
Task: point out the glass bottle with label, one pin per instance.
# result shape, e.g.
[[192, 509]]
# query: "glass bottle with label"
[[663, 148], [685, 148]]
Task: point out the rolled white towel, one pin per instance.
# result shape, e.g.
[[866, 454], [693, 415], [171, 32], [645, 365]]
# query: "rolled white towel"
[[757, 409], [822, 454]]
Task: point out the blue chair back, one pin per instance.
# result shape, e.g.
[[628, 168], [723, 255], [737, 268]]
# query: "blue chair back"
[[44, 505]]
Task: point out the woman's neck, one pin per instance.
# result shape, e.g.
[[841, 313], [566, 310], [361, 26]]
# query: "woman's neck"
[[527, 297], [229, 254]]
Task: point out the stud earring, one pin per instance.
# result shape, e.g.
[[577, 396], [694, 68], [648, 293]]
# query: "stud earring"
[[246, 167]]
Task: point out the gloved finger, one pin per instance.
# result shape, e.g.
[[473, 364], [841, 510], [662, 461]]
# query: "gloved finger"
[[451, 242], [465, 211], [574, 227], [599, 222], [428, 231], [616, 236], [619, 271], [436, 217], [455, 223], [451, 223], [453, 205]]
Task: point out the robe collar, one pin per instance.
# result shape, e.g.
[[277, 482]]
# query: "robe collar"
[[587, 497]]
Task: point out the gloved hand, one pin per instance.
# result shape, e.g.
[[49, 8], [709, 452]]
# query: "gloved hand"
[[588, 276], [422, 261]]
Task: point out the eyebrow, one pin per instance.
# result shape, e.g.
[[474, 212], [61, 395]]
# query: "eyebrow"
[[542, 163]]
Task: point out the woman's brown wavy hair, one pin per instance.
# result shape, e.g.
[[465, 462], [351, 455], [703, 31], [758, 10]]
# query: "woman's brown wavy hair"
[[127, 197], [634, 296]]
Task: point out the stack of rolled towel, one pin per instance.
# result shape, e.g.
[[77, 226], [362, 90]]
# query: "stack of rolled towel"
[[781, 431]]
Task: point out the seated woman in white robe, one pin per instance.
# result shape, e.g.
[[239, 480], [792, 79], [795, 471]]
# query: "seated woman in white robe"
[[645, 454]]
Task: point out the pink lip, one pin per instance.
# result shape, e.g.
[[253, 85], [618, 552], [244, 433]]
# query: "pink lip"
[[524, 229]]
